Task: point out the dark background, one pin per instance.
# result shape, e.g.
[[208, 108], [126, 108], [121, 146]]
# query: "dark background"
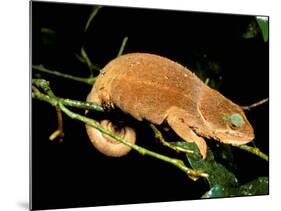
[[72, 173]]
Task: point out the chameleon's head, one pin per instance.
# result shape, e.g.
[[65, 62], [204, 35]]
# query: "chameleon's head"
[[226, 120]]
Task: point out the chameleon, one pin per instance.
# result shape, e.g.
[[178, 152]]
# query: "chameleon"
[[157, 89]]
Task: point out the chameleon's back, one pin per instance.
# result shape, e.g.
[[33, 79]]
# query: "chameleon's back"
[[147, 85]]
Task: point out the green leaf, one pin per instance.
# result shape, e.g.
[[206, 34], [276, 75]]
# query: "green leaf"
[[258, 186], [218, 174], [219, 191], [222, 182], [263, 24], [215, 192]]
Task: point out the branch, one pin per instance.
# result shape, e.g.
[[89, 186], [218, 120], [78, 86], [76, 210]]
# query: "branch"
[[81, 104], [207, 81], [40, 68], [254, 104], [122, 47], [58, 133], [178, 163], [43, 84], [88, 61], [160, 137], [55, 101], [253, 150], [92, 16]]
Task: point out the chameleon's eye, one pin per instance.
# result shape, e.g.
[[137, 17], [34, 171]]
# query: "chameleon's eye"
[[236, 120]]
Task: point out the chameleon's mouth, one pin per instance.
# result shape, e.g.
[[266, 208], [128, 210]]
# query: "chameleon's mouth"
[[234, 137]]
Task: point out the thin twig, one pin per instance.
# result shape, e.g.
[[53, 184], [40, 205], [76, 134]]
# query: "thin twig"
[[122, 47], [254, 104], [207, 81], [34, 89], [91, 66], [80, 58], [92, 16], [89, 63], [89, 80], [160, 137], [36, 94], [43, 84], [87, 60], [58, 133], [253, 150]]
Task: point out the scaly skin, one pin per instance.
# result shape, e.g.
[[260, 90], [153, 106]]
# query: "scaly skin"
[[157, 89]]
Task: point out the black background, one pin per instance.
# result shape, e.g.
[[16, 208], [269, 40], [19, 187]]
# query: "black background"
[[73, 173]]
